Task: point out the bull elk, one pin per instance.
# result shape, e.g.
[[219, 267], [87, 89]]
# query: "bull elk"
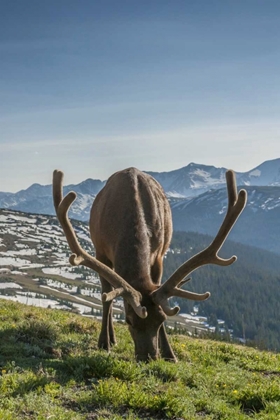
[[131, 229]]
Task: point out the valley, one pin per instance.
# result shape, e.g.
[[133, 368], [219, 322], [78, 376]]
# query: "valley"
[[34, 270]]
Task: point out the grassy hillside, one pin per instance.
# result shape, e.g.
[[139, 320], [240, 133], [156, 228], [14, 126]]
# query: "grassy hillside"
[[50, 368], [34, 268]]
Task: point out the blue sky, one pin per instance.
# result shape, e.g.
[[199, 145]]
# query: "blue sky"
[[91, 87]]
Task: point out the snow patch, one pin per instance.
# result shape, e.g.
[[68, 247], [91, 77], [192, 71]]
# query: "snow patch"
[[256, 172], [10, 285], [61, 272]]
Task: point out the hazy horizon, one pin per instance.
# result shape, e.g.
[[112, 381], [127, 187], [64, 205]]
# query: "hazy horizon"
[[93, 87], [75, 182]]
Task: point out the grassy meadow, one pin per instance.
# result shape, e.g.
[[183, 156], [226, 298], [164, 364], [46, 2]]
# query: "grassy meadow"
[[50, 368]]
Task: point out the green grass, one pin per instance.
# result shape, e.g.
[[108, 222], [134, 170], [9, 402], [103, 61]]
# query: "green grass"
[[50, 368]]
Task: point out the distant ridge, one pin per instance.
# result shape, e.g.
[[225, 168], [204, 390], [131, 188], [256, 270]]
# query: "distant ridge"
[[197, 194]]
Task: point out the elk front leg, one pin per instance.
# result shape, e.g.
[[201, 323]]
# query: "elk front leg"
[[107, 334], [165, 348]]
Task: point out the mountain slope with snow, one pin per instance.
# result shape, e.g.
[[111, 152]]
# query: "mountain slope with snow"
[[197, 196], [189, 181], [258, 225], [268, 173]]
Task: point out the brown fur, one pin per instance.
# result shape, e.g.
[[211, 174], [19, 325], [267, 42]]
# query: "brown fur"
[[131, 228]]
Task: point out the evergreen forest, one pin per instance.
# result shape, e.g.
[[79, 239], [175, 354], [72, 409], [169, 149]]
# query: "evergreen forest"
[[246, 294]]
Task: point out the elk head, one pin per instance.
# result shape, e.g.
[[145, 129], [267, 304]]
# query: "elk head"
[[131, 228]]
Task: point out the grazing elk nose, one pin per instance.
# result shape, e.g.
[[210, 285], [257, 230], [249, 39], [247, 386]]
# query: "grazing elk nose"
[[146, 347], [131, 229]]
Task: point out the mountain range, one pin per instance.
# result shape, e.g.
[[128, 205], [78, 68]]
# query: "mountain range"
[[197, 196], [194, 179]]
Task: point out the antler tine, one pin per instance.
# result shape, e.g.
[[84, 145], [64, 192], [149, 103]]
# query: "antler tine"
[[81, 257], [62, 205], [107, 297], [236, 203]]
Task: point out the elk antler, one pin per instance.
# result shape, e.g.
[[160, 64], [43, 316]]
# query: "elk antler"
[[81, 257], [236, 203]]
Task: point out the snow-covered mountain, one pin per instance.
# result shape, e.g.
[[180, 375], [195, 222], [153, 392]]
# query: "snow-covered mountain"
[[194, 179], [196, 193], [258, 225], [268, 173], [38, 198], [191, 180]]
